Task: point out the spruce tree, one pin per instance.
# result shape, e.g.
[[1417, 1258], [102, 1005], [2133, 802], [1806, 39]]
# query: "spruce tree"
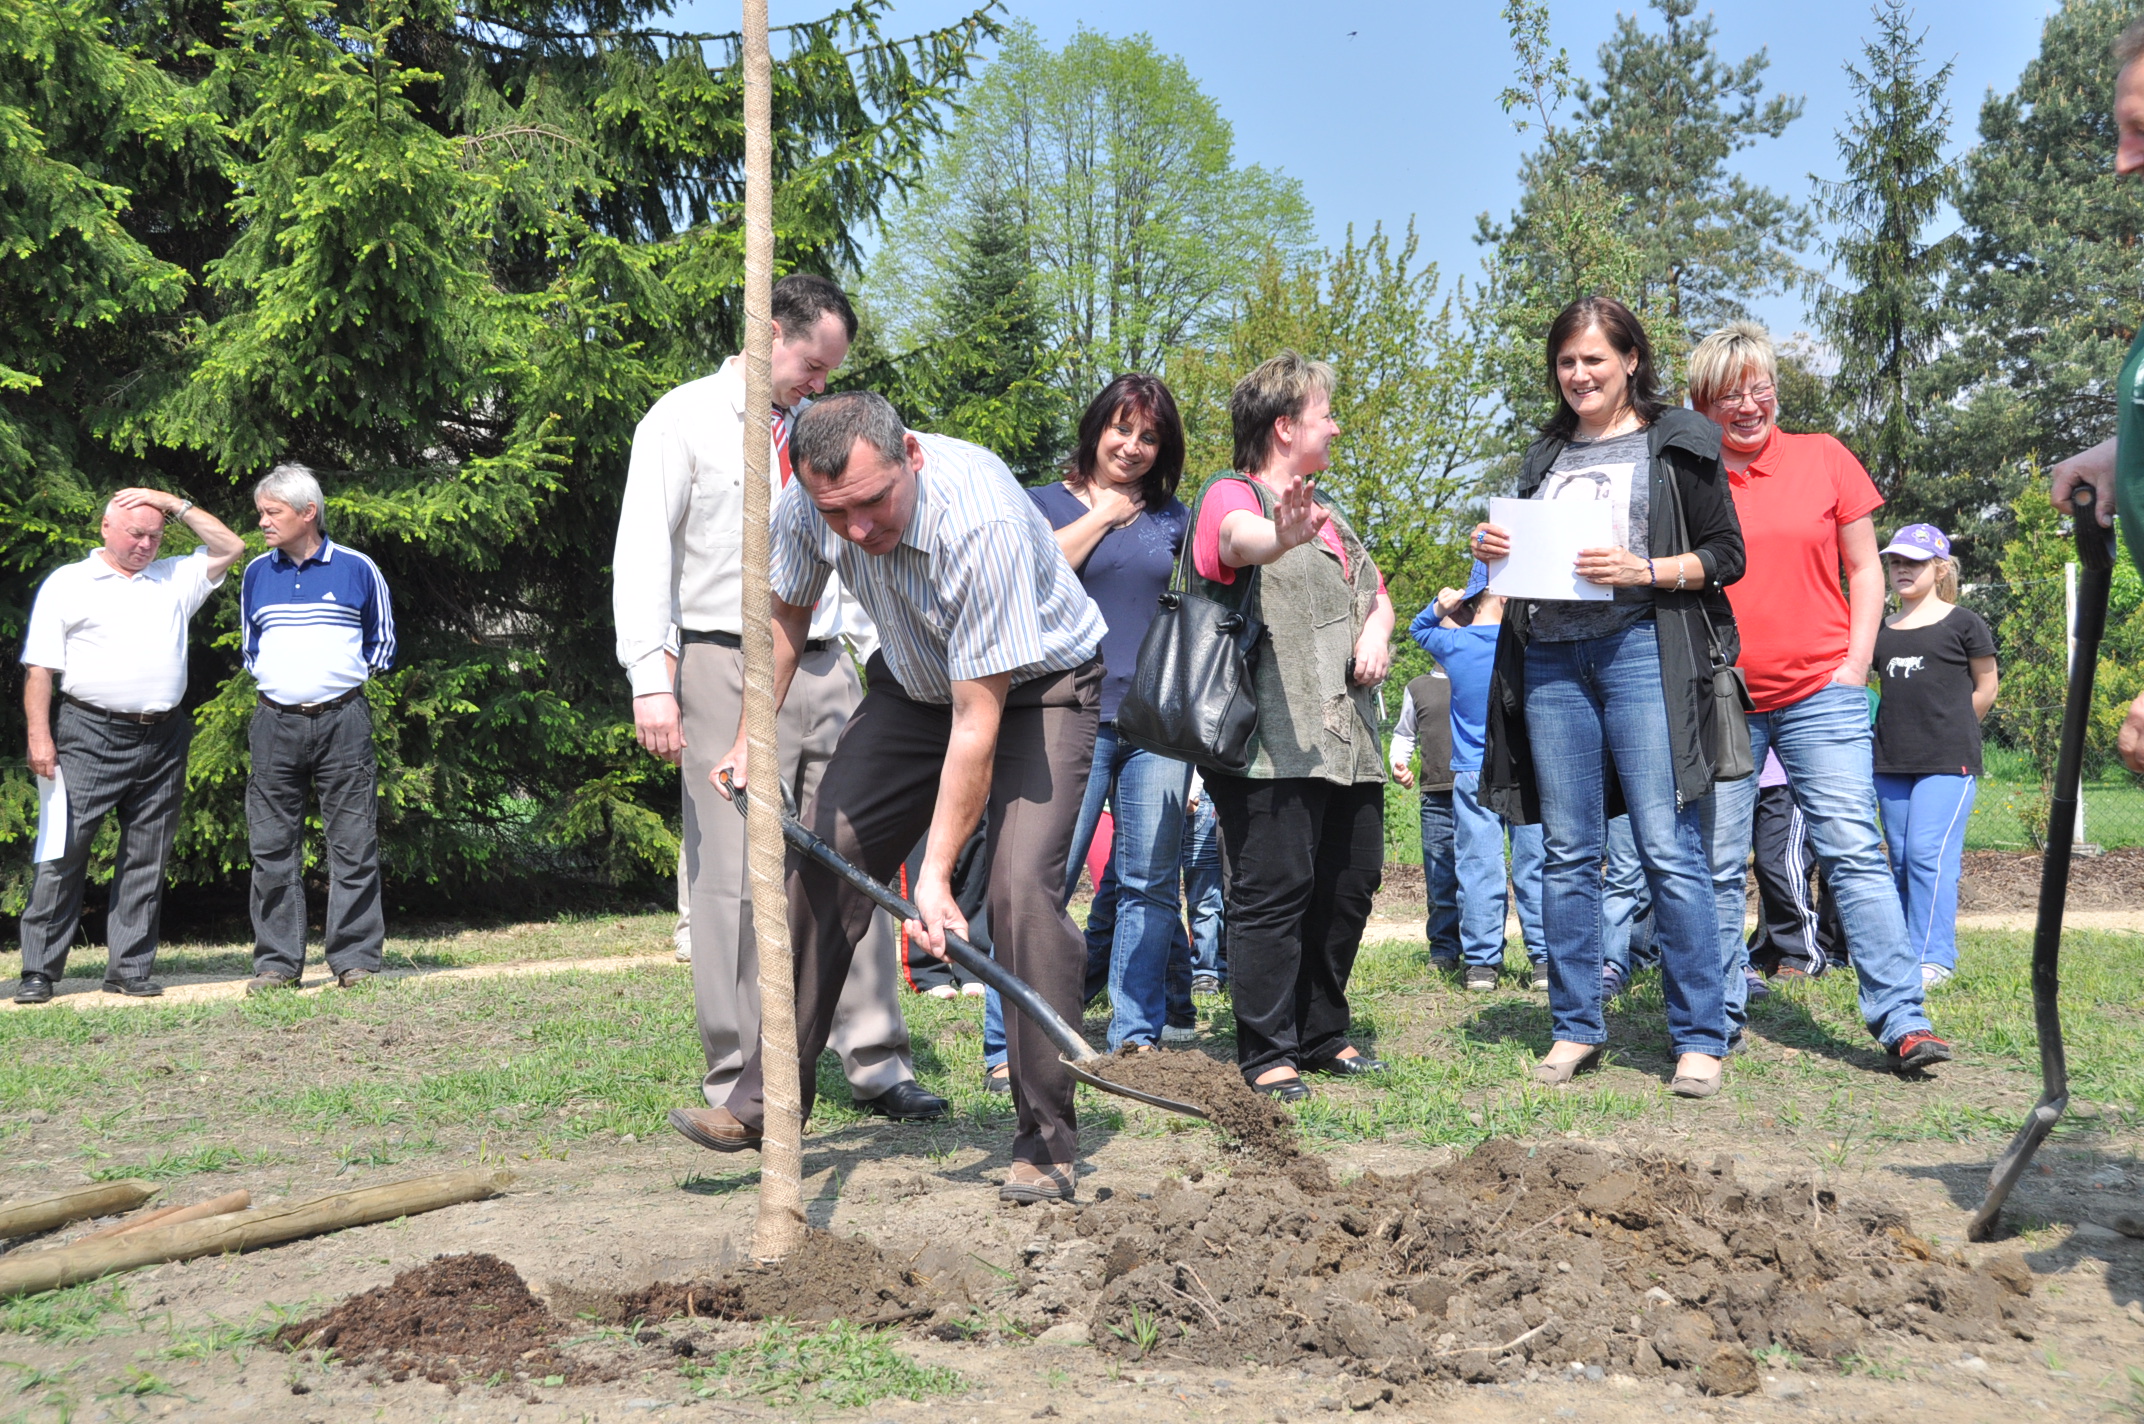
[[1886, 322]]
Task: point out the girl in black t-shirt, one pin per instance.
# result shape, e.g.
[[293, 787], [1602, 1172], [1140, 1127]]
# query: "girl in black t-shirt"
[[1937, 662]]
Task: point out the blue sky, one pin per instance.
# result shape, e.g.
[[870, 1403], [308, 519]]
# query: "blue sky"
[[1385, 110]]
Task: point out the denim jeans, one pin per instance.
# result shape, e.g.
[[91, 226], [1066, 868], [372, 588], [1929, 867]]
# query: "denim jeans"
[[1133, 919], [1626, 904], [1478, 840], [1924, 829], [1587, 702], [1202, 890], [1824, 744], [1440, 876]]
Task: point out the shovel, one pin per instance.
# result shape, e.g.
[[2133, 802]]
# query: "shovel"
[[1078, 1055], [2095, 557]]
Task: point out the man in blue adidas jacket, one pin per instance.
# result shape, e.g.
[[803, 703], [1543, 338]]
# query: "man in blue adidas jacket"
[[318, 624]]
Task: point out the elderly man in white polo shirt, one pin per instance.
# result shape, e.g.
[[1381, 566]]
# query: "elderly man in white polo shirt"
[[112, 629], [677, 595]]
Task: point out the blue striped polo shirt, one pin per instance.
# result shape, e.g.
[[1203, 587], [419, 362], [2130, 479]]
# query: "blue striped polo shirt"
[[317, 629]]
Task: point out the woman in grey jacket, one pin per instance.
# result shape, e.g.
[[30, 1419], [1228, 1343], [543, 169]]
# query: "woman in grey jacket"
[[1602, 706]]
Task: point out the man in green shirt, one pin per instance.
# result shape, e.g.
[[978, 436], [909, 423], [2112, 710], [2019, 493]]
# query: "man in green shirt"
[[2115, 468]]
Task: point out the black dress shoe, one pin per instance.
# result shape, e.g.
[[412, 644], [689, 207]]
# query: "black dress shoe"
[[1354, 1067], [1288, 1090], [134, 988], [34, 989], [905, 1101]]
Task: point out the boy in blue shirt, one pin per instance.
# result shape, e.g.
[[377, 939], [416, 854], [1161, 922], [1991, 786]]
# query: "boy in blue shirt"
[[1459, 630]]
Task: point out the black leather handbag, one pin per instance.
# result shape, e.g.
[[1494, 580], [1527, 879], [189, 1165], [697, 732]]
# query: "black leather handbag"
[[1732, 757], [1191, 696]]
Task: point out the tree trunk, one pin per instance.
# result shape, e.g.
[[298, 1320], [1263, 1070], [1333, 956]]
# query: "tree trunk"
[[28, 1217], [781, 1173]]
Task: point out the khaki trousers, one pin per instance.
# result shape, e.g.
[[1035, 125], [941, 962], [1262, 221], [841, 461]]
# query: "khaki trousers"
[[876, 802], [868, 1031]]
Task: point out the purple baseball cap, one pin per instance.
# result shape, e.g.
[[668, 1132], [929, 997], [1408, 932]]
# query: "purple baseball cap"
[[1477, 580], [1919, 541]]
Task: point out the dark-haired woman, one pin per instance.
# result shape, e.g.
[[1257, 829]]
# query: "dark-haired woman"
[[1121, 527], [1582, 686]]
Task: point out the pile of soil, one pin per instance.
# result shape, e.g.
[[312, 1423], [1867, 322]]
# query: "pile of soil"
[[454, 1318], [1509, 1259], [1265, 1129], [829, 1277]]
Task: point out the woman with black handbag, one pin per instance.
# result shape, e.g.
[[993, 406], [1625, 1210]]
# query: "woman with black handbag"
[[1583, 688], [1302, 824]]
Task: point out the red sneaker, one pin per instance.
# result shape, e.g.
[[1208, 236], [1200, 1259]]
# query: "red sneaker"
[[1917, 1051]]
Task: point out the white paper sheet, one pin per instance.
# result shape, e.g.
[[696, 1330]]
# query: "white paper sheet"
[[51, 816], [1546, 535]]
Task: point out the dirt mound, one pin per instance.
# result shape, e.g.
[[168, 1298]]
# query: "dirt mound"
[[1510, 1259], [829, 1277], [454, 1318], [1263, 1126]]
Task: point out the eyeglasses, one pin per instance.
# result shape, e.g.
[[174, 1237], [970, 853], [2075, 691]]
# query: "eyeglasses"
[[1759, 396]]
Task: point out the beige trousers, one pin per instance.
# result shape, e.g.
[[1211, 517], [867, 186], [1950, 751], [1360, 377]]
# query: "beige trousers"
[[868, 1031]]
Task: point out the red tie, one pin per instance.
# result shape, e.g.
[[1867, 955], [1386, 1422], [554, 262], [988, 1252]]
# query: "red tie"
[[781, 440]]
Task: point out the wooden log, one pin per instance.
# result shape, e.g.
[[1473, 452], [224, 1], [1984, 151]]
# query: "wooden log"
[[27, 1218], [173, 1215], [243, 1231]]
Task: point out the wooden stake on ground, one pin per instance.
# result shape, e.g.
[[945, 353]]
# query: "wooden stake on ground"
[[781, 1171], [28, 1272], [175, 1215], [27, 1218]]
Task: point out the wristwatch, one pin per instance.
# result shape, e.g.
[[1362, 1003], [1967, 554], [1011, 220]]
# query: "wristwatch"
[[180, 513]]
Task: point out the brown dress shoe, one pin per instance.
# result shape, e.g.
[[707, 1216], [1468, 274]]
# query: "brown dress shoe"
[[716, 1129], [1027, 1183]]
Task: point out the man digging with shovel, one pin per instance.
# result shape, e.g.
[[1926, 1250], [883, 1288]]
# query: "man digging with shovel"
[[983, 698]]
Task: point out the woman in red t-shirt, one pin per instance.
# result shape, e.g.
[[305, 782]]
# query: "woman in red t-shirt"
[[1806, 509]]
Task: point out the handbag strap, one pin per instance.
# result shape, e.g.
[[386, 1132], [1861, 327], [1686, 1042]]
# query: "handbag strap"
[[1236, 596]]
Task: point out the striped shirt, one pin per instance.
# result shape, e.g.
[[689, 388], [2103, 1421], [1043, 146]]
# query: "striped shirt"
[[976, 587], [315, 630]]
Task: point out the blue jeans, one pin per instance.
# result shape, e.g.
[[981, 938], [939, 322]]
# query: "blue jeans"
[[1440, 876], [1202, 890], [1478, 839], [1587, 702], [1626, 904], [1823, 741], [1924, 828]]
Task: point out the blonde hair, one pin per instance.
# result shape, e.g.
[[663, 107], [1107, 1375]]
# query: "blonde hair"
[[1280, 386], [1719, 361], [1946, 580]]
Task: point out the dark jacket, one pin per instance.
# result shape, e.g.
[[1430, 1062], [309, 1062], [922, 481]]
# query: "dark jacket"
[[1685, 448]]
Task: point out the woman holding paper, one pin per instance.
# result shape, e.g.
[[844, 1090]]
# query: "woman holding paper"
[[1605, 665]]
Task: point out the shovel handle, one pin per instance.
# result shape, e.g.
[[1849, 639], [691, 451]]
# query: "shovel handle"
[[1015, 990], [2095, 541]]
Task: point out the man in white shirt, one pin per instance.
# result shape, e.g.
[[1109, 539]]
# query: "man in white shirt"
[[112, 629], [317, 623], [677, 595]]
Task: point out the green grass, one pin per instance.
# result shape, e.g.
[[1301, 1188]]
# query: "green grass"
[[838, 1367], [73, 1313]]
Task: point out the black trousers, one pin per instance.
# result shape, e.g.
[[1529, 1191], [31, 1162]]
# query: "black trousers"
[[1797, 926], [328, 753], [875, 802], [140, 773], [1305, 858]]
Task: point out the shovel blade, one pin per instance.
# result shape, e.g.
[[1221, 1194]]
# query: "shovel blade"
[[1152, 1100]]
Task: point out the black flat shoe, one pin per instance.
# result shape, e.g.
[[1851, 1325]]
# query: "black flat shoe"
[[34, 989], [134, 988], [1288, 1090], [1354, 1067], [904, 1102], [997, 1081]]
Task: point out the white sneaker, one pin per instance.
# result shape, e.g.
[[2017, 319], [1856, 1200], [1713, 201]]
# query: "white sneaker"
[[1932, 975], [972, 990], [1170, 1033], [684, 952]]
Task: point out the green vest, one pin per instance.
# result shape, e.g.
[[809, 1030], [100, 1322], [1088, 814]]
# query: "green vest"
[[1313, 719]]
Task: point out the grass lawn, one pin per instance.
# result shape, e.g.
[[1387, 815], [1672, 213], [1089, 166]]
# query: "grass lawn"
[[508, 1068]]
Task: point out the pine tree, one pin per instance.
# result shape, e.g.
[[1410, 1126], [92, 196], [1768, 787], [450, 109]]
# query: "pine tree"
[[448, 254], [2046, 304], [1887, 324]]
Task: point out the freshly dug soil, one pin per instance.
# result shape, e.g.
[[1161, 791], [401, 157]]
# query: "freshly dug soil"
[[1263, 1126], [1512, 1258], [454, 1318], [829, 1277]]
